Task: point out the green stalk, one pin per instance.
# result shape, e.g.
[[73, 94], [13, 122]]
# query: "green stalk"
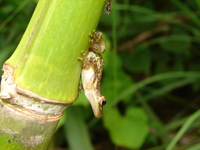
[[42, 77]]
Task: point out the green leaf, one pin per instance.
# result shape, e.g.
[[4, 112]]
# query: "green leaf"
[[62, 121], [112, 82], [130, 130], [177, 44], [183, 129], [76, 130], [194, 147], [82, 100], [139, 60]]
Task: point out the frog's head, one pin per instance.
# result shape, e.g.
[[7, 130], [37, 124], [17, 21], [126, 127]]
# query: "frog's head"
[[97, 102], [98, 106]]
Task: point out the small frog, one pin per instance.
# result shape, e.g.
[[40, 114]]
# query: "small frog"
[[108, 7], [92, 72]]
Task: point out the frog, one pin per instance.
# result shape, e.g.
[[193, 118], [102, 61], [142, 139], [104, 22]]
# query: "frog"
[[108, 7], [91, 74]]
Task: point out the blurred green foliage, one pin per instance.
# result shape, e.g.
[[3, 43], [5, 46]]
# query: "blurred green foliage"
[[151, 77], [14, 18]]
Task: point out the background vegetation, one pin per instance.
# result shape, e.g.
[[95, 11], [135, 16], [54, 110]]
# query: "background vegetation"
[[151, 77]]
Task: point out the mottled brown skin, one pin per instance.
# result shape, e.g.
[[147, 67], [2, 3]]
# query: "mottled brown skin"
[[97, 63], [97, 43], [108, 7], [91, 77], [93, 64]]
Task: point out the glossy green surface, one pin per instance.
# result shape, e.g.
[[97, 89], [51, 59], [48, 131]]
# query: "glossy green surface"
[[46, 60]]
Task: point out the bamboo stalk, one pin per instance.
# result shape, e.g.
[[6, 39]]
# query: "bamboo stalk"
[[42, 76]]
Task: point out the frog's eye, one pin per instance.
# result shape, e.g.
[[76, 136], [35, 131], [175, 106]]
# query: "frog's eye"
[[103, 101]]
